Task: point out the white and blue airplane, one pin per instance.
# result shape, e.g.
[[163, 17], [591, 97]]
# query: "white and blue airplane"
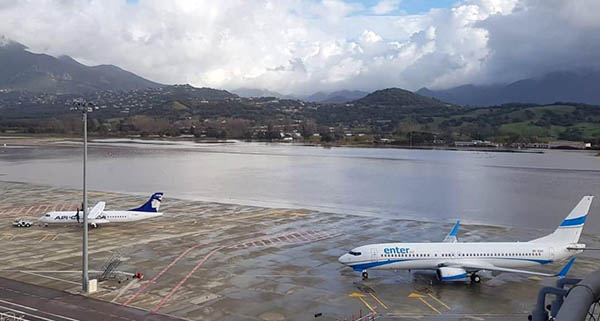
[[456, 261], [97, 215]]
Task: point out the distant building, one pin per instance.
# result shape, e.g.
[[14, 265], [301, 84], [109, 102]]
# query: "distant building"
[[566, 144], [475, 143], [537, 145]]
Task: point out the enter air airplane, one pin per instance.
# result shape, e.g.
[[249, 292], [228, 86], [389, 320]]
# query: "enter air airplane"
[[456, 261], [97, 215]]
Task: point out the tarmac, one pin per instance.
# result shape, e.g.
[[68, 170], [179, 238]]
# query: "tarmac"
[[31, 302], [210, 261]]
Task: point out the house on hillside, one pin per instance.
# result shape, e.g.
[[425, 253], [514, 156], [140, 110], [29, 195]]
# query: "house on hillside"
[[566, 144]]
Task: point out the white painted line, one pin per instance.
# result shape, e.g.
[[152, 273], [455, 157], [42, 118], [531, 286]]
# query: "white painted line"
[[51, 278], [124, 289], [35, 310], [25, 313]]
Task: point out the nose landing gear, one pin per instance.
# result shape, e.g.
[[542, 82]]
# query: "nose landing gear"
[[365, 275]]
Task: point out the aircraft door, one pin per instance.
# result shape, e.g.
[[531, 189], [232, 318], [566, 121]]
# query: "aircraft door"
[[373, 254], [551, 253]]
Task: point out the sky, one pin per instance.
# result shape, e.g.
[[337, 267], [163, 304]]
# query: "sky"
[[305, 46]]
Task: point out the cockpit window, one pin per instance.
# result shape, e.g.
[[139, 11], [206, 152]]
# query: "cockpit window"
[[354, 253], [47, 215]]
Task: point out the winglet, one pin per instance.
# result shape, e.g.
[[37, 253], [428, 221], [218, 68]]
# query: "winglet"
[[451, 237], [455, 229], [563, 273]]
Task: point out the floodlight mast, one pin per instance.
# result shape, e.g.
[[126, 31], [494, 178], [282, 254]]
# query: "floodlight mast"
[[84, 108]]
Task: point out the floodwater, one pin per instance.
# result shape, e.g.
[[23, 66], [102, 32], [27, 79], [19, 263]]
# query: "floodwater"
[[533, 190]]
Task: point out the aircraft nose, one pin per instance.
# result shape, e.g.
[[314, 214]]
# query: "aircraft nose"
[[344, 259]]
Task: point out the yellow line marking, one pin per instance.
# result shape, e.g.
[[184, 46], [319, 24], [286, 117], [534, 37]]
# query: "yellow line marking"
[[55, 236], [43, 238], [357, 295], [415, 295], [430, 306], [367, 304], [378, 301], [8, 236], [439, 301]]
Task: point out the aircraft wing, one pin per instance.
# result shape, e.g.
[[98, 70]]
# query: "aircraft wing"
[[451, 237], [96, 210], [479, 265]]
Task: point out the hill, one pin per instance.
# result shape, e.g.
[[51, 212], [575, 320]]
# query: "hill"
[[254, 92], [24, 70], [336, 97], [398, 97], [577, 87]]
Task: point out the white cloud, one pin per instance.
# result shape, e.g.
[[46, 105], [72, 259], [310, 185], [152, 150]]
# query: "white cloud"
[[385, 6], [304, 46]]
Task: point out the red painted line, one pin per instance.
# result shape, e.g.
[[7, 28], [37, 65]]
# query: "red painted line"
[[62, 208], [44, 209], [142, 289], [29, 210], [15, 210], [166, 298]]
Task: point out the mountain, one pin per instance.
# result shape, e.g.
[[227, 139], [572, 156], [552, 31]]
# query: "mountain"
[[579, 87], [24, 70], [255, 92], [188, 92], [398, 97], [336, 97]]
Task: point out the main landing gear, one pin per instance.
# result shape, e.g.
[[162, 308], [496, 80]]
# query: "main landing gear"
[[475, 278], [365, 274]]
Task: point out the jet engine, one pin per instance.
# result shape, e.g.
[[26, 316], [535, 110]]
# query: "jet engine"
[[451, 274]]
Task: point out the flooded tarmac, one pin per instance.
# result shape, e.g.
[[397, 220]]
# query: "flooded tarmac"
[[508, 189], [212, 261]]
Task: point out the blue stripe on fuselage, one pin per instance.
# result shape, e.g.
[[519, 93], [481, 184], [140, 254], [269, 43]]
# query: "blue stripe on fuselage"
[[573, 221]]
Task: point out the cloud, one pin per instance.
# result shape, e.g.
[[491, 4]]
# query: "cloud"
[[302, 46], [385, 6]]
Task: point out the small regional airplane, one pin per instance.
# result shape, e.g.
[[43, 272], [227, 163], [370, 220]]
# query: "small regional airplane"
[[456, 261], [97, 215]]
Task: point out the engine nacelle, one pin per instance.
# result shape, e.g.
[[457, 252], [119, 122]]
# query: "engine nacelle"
[[451, 274]]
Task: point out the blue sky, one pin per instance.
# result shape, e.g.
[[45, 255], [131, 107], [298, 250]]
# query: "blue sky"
[[412, 6], [406, 6]]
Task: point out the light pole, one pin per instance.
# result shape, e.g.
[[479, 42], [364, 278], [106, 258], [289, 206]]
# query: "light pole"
[[85, 108]]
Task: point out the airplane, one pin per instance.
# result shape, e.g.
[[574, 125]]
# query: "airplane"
[[97, 215], [456, 261]]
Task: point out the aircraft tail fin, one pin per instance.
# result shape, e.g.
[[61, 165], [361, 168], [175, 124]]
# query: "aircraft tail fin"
[[570, 229], [152, 205]]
